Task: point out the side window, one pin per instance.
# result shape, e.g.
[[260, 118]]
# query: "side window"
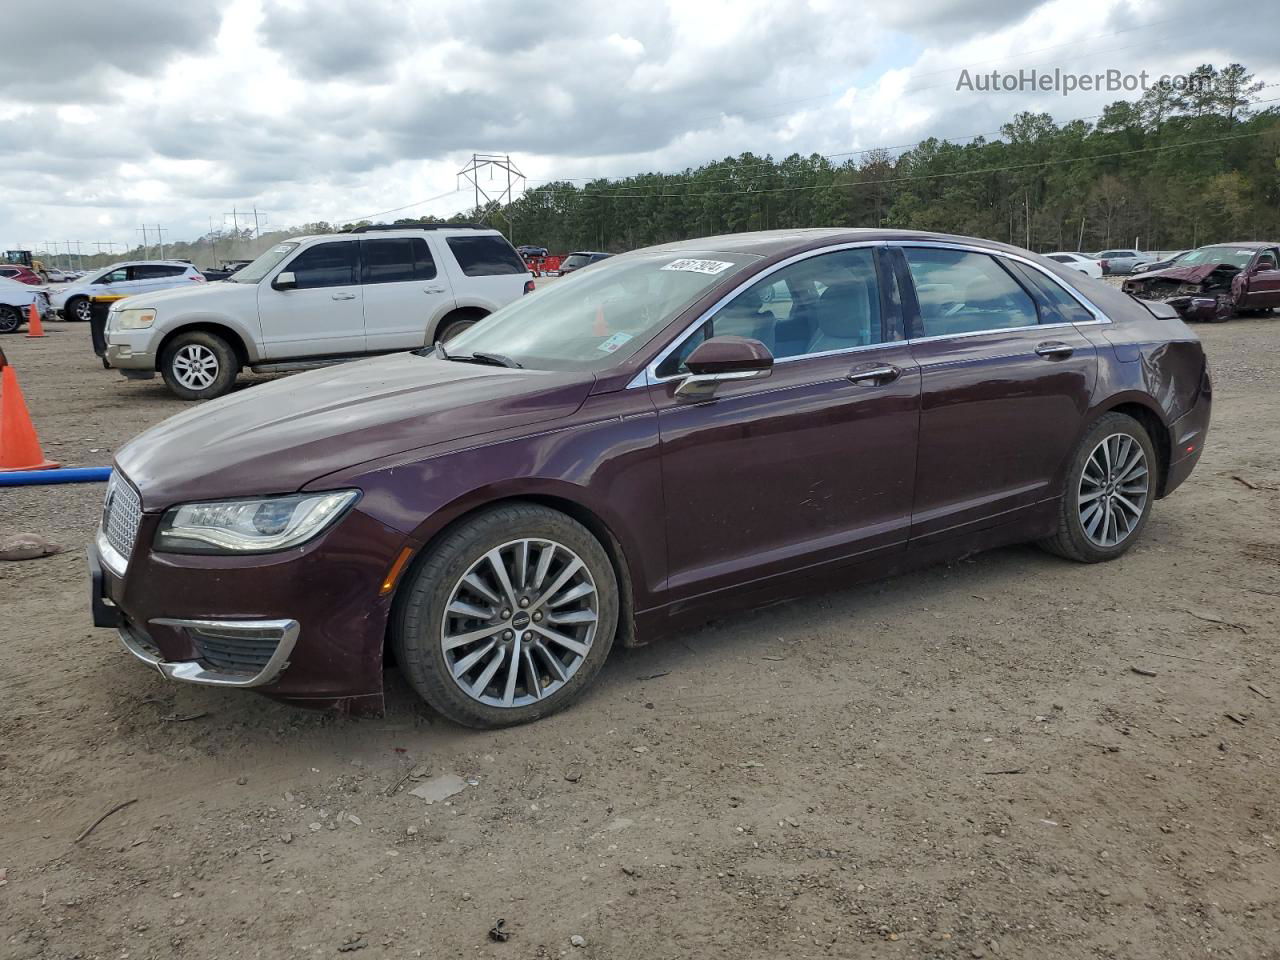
[[486, 256], [963, 292], [115, 276], [397, 260], [1051, 295], [819, 305], [325, 265]]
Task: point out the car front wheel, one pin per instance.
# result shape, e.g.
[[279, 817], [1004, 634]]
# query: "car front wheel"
[[508, 618], [199, 365], [78, 308], [10, 319], [1111, 485]]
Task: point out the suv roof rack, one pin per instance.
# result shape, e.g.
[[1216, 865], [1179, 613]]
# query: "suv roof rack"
[[372, 227]]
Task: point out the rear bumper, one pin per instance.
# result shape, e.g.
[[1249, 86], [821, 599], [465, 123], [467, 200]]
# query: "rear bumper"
[[1187, 437]]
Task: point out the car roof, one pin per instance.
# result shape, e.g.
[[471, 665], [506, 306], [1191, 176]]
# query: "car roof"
[[1246, 244], [770, 243], [406, 231]]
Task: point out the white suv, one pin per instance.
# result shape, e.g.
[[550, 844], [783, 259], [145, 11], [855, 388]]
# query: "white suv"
[[316, 300], [129, 278]]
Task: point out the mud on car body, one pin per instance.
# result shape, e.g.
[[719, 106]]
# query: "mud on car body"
[[1215, 282]]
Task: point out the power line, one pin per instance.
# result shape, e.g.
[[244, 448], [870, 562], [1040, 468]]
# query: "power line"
[[383, 213]]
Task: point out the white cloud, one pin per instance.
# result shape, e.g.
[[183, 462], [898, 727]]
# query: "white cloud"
[[332, 109]]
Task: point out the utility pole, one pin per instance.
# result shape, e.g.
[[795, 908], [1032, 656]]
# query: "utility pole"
[[257, 231], [160, 232], [145, 247], [235, 220]]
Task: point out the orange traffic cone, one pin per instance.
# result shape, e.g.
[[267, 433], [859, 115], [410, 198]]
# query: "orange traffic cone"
[[19, 445], [34, 327]]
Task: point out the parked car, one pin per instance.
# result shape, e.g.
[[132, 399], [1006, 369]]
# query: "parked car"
[[1078, 261], [131, 277], [666, 438], [1215, 282], [583, 258], [1115, 262], [15, 304], [9, 271], [315, 300], [530, 252]]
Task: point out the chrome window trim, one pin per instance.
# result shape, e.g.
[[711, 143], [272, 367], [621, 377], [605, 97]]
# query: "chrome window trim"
[[649, 375]]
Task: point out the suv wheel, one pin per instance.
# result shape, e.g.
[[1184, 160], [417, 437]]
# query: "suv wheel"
[[508, 619], [78, 308], [199, 365], [451, 330], [10, 319], [1110, 488]]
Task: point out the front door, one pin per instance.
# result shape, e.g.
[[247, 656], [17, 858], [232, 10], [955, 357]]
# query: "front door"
[[1006, 381], [322, 315], [1263, 285], [814, 463], [402, 292]]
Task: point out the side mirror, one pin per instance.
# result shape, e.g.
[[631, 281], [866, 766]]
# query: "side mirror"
[[723, 360], [285, 280]]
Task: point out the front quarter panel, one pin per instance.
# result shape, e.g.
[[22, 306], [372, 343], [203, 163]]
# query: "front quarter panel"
[[602, 460]]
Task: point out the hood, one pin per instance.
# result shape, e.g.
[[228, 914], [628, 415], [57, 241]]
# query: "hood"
[[1197, 274], [191, 290], [276, 437]]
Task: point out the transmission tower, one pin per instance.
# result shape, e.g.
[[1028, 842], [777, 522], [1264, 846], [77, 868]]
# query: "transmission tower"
[[502, 169]]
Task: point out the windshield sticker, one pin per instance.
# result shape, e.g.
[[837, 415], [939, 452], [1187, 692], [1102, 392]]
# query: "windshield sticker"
[[614, 342], [711, 267]]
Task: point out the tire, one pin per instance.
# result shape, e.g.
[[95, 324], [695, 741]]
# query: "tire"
[[1080, 533], [199, 365], [452, 329], [77, 308], [428, 606], [10, 319]]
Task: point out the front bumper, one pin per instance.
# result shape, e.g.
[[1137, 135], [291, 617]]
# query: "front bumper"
[[123, 354], [304, 625]]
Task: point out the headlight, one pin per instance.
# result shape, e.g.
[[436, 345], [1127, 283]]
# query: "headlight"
[[132, 319], [260, 525]]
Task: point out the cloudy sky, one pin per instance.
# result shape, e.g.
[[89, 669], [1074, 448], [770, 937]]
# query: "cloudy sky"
[[138, 111]]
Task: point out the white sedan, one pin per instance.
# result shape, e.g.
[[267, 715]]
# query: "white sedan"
[[15, 302], [1078, 261]]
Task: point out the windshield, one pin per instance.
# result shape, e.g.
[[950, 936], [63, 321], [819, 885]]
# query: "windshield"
[[263, 265], [575, 260], [1232, 255], [598, 317]]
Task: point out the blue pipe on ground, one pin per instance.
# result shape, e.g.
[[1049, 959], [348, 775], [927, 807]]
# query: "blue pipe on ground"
[[31, 478]]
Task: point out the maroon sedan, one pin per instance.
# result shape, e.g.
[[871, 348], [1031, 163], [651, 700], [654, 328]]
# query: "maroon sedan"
[[673, 434]]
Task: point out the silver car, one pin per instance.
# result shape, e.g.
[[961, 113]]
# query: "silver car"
[[1122, 261]]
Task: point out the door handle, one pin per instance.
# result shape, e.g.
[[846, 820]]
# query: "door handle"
[[884, 373], [344, 296], [1054, 350], [433, 289]]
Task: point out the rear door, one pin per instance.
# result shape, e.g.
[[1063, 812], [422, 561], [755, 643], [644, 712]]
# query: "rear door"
[[323, 315], [403, 291], [1006, 381], [488, 271]]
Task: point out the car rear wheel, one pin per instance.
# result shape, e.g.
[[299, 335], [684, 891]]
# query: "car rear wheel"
[[507, 619], [199, 365], [77, 308], [10, 319], [451, 330], [1110, 488]]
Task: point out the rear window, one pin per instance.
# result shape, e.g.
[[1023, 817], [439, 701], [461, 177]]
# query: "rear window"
[[396, 260], [486, 256], [153, 271]]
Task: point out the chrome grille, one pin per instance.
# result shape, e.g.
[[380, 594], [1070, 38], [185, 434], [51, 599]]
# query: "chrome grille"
[[121, 514]]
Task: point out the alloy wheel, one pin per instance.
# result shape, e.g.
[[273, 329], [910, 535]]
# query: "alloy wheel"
[[83, 310], [520, 623], [1113, 492], [10, 319], [195, 366]]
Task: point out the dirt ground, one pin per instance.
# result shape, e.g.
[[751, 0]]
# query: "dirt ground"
[[962, 763]]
